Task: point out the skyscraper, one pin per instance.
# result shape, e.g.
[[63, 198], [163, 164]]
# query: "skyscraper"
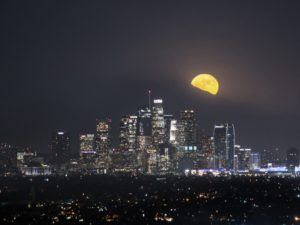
[[103, 143], [60, 147], [168, 118], [244, 158], [292, 159], [173, 132], [207, 151], [8, 158], [158, 122], [224, 141], [188, 127], [86, 144], [144, 136], [144, 126], [128, 133], [255, 161], [103, 136]]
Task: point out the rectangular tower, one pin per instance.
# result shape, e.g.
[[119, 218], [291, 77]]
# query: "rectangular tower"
[[224, 141]]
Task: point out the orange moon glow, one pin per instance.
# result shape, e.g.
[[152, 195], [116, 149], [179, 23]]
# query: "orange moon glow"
[[206, 82]]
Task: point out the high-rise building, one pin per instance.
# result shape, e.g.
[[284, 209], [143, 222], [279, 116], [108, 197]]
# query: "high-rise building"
[[272, 157], [103, 144], [158, 122], [165, 159], [236, 157], [144, 136], [173, 132], [244, 158], [60, 147], [103, 136], [144, 126], [292, 159], [266, 158], [207, 152], [128, 133], [8, 158], [188, 127], [86, 145], [168, 119], [255, 161], [224, 141]]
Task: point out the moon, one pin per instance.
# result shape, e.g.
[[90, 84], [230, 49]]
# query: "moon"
[[206, 82]]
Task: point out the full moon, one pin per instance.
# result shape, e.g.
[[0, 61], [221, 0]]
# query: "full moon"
[[206, 82]]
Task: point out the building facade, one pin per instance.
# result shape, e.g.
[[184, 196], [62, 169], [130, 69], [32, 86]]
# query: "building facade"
[[224, 141], [60, 147], [128, 133], [158, 122], [103, 143]]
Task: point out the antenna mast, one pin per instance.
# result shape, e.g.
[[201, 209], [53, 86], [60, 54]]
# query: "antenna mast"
[[149, 99]]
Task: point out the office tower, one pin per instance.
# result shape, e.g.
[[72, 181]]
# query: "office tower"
[[151, 160], [168, 119], [144, 126], [224, 141], [128, 133], [243, 155], [103, 144], [278, 157], [187, 128], [173, 132], [292, 159], [86, 145], [165, 159], [123, 160], [158, 122], [266, 158], [235, 163], [180, 134], [207, 152], [236, 157], [8, 158], [60, 147], [144, 135], [103, 136], [255, 161]]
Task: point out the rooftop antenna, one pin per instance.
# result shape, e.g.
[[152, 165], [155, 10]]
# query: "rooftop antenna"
[[149, 99]]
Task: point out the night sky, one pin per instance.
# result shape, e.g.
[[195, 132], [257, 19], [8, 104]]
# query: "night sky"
[[65, 63]]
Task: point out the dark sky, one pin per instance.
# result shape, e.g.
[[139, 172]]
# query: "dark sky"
[[64, 63]]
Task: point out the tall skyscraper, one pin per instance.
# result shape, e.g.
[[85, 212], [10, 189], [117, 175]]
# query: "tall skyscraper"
[[103, 143], [292, 159], [224, 141], [207, 151], [158, 122], [165, 159], [255, 161], [103, 136], [244, 158], [168, 118], [187, 127], [144, 126], [128, 133], [60, 147], [144, 136], [8, 158], [173, 132], [86, 144]]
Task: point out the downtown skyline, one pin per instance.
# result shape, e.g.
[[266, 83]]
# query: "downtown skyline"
[[62, 67]]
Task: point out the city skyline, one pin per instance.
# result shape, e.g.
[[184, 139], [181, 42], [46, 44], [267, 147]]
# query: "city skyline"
[[150, 112], [115, 129], [65, 66]]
